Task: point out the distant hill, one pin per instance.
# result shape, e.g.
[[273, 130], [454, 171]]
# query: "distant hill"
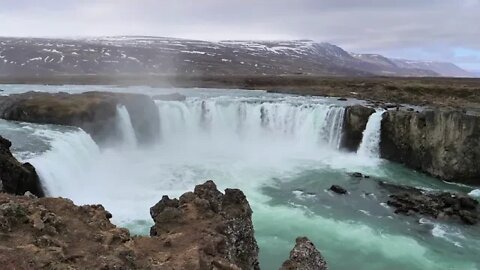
[[172, 56], [443, 68]]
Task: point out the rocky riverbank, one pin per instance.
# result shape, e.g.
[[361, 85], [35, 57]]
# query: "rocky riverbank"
[[204, 229], [94, 112]]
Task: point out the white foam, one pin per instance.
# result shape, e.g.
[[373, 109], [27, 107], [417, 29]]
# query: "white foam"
[[475, 193]]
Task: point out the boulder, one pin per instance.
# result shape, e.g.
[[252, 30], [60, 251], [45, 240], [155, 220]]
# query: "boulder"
[[94, 112], [338, 189], [216, 226], [304, 256], [355, 122], [15, 177], [442, 143]]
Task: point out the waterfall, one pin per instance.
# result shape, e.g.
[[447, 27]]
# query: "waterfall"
[[125, 128], [70, 155], [232, 121], [334, 126], [370, 146]]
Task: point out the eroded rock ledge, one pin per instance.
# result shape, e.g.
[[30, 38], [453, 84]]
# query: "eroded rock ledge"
[[15, 177], [204, 229], [354, 123], [94, 112], [411, 201]]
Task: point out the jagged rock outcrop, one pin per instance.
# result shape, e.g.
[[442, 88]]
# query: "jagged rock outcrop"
[[94, 112], [355, 121], [438, 205], [214, 230], [444, 144], [304, 256], [15, 177]]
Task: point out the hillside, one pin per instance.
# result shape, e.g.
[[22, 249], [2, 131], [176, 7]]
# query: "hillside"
[[26, 57]]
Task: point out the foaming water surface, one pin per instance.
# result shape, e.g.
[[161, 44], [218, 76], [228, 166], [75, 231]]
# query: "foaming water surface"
[[282, 151]]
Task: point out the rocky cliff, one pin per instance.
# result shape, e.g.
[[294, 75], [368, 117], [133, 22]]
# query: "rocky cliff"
[[354, 123], [94, 112], [15, 177], [442, 143], [202, 230]]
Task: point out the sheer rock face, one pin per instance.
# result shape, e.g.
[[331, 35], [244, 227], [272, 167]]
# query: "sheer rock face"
[[94, 112], [444, 144], [15, 177], [304, 256], [214, 230], [355, 122]]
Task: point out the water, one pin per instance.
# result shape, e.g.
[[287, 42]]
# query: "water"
[[282, 151], [125, 128], [370, 145]]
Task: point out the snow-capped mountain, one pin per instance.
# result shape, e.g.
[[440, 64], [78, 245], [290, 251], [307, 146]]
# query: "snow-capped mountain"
[[443, 68], [167, 56]]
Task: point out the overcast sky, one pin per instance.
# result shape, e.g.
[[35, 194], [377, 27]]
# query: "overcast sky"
[[447, 30]]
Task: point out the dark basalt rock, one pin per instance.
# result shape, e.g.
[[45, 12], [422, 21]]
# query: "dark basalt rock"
[[435, 205], [444, 144], [219, 224], [355, 121], [338, 189], [94, 112], [304, 256], [357, 175], [17, 178]]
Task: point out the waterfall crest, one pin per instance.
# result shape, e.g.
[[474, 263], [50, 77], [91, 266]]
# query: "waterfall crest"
[[370, 146], [220, 120]]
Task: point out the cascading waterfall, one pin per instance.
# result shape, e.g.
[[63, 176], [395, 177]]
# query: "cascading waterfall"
[[125, 128], [221, 121], [334, 126], [370, 146], [70, 154]]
